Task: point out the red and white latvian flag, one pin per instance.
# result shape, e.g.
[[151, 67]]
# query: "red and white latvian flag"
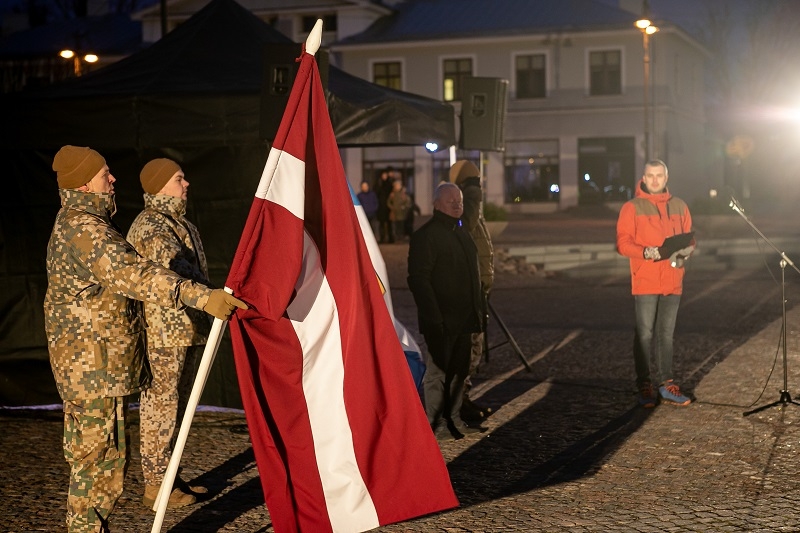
[[340, 437]]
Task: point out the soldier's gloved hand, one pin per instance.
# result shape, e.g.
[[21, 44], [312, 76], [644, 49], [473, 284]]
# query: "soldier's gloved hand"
[[221, 304], [651, 252]]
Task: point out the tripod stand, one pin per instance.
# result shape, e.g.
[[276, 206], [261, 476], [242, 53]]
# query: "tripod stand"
[[785, 397], [509, 339]]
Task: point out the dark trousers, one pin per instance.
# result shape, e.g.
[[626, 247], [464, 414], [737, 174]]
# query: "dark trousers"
[[386, 230], [444, 387], [652, 347]]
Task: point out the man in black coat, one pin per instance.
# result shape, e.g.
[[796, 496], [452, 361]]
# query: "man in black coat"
[[444, 279]]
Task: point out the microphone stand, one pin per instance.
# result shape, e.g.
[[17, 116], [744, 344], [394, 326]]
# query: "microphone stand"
[[785, 397]]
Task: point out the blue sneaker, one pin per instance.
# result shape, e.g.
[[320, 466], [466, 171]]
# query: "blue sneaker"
[[671, 393], [647, 395]]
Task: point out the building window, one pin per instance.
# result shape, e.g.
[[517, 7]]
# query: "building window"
[[531, 77], [328, 23], [605, 72], [455, 70], [606, 169], [531, 172], [388, 74]]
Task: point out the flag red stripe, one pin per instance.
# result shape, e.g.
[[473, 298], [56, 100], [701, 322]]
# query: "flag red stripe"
[[266, 297], [269, 365]]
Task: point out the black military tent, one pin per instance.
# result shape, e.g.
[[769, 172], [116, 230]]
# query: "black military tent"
[[193, 96]]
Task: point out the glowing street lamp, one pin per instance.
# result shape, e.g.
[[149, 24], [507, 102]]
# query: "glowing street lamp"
[[647, 28], [76, 59]]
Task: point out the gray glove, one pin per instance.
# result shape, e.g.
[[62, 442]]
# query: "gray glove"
[[679, 258]]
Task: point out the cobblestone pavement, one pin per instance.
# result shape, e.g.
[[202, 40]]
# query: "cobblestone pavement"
[[567, 449]]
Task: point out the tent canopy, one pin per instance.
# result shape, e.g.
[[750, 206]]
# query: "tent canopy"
[[201, 84], [195, 97]]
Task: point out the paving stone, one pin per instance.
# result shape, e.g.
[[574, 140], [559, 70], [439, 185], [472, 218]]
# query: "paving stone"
[[567, 449]]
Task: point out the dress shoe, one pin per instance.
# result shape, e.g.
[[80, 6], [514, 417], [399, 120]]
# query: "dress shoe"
[[468, 430], [474, 412], [442, 433]]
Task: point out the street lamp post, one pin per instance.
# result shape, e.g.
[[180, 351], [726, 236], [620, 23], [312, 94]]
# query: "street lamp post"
[[77, 60], [647, 28]]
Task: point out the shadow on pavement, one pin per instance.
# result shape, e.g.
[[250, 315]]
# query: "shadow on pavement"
[[571, 429]]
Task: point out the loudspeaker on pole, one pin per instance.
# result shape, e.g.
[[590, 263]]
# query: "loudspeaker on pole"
[[483, 112], [280, 70]]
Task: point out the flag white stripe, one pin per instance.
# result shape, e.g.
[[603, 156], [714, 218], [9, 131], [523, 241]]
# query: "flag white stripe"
[[283, 182], [408, 342], [315, 319]]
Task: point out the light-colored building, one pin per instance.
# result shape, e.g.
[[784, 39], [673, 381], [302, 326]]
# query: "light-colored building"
[[575, 128], [575, 124]]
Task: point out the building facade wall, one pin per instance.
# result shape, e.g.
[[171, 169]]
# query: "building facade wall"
[[569, 114]]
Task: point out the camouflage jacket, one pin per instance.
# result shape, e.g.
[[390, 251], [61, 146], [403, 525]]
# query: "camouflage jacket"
[[476, 227], [94, 325], [160, 233]]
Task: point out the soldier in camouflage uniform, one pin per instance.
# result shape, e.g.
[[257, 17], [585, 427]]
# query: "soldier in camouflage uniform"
[[174, 337], [96, 331], [467, 176]]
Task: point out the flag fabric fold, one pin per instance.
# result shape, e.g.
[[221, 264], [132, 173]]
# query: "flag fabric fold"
[[339, 434]]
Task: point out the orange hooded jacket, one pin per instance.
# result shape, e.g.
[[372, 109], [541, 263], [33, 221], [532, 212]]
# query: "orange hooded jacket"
[[646, 221]]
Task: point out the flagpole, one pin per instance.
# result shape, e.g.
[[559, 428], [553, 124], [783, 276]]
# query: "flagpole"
[[209, 353], [313, 43], [314, 39]]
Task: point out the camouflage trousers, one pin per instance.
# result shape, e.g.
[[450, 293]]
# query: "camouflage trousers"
[[96, 449], [474, 358], [162, 405]]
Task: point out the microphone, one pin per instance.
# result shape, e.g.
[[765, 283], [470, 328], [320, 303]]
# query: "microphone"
[[735, 205]]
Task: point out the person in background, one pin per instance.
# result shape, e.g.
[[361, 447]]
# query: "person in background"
[[175, 337], [383, 189], [644, 223], [408, 226], [399, 204], [369, 201], [444, 280], [467, 176], [96, 330]]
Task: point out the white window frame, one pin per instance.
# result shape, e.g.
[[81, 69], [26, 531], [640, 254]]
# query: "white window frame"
[[587, 72], [548, 74]]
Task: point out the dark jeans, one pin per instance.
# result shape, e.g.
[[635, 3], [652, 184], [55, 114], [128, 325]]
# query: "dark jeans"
[[444, 387], [652, 346]]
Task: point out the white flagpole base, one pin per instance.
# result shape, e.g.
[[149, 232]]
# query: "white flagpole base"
[[209, 353]]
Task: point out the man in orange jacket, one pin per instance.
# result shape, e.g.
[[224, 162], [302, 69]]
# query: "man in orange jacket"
[[644, 224]]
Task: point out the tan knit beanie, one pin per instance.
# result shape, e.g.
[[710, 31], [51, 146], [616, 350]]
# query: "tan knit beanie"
[[157, 173], [75, 166], [462, 170]]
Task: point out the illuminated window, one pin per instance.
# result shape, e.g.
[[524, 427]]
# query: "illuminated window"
[[455, 70], [388, 74], [532, 172]]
